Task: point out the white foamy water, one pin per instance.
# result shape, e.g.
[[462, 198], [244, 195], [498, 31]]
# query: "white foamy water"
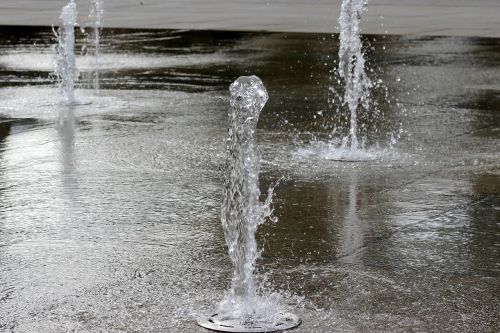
[[42, 103], [335, 152], [107, 61]]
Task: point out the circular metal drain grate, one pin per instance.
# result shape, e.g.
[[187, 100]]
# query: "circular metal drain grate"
[[285, 321]]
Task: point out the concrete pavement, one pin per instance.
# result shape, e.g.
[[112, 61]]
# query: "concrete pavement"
[[423, 17]]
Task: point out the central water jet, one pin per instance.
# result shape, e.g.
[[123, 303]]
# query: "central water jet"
[[352, 65], [242, 309], [66, 70]]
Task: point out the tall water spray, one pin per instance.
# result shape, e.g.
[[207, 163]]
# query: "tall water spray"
[[95, 17], [66, 71], [242, 212], [242, 309], [352, 65]]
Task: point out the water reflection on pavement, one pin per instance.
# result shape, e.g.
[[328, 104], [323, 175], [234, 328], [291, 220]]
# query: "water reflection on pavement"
[[109, 212]]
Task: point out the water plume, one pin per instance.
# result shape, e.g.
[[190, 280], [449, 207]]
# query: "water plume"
[[66, 71], [243, 309], [352, 66], [95, 17]]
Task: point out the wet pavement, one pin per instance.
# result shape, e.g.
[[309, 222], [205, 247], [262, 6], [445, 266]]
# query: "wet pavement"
[[109, 212]]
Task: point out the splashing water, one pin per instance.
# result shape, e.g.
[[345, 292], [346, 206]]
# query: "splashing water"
[[352, 65], [243, 309], [356, 95], [66, 71], [95, 17], [242, 212]]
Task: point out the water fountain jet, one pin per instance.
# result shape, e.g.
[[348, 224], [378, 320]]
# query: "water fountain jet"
[[242, 309], [352, 64], [95, 16], [357, 84], [66, 71]]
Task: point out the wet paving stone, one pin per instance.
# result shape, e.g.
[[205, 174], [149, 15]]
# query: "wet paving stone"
[[110, 212]]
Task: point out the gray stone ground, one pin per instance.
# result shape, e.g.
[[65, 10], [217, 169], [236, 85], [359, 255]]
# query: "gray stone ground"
[[422, 17]]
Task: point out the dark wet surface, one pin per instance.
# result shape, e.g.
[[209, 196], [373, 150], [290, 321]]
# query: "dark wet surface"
[[109, 212]]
